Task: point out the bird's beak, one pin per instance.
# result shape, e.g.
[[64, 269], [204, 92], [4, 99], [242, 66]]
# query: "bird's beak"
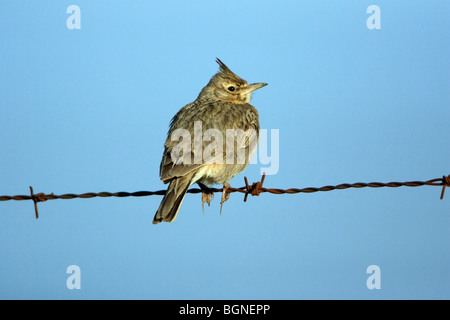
[[254, 86]]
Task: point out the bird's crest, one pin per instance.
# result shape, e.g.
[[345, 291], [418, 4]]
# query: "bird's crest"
[[227, 73]]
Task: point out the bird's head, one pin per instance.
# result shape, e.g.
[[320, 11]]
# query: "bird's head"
[[225, 85]]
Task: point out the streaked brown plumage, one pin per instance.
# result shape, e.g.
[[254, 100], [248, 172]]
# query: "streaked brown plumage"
[[222, 104]]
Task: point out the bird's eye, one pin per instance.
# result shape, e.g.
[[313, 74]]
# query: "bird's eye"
[[231, 88]]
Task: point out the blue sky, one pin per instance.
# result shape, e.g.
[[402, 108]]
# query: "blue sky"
[[88, 110]]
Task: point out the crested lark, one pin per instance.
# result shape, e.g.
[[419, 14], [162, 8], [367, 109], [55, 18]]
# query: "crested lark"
[[222, 111]]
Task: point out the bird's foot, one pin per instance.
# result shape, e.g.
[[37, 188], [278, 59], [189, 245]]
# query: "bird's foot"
[[207, 196], [225, 195]]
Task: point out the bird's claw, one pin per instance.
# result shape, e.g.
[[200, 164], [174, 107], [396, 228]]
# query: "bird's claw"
[[207, 196], [225, 195]]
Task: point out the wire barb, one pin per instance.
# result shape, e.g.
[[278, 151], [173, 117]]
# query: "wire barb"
[[445, 183], [39, 197], [255, 190], [256, 187]]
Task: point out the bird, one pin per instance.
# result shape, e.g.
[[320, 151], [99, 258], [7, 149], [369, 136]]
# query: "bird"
[[221, 107]]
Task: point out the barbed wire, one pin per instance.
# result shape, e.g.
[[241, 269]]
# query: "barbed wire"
[[255, 189]]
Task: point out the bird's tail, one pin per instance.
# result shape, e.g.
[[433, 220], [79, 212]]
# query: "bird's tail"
[[170, 204]]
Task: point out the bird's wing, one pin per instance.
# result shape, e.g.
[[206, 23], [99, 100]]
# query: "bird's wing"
[[173, 166], [178, 163]]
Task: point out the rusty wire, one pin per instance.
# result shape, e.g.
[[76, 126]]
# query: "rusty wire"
[[254, 189]]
